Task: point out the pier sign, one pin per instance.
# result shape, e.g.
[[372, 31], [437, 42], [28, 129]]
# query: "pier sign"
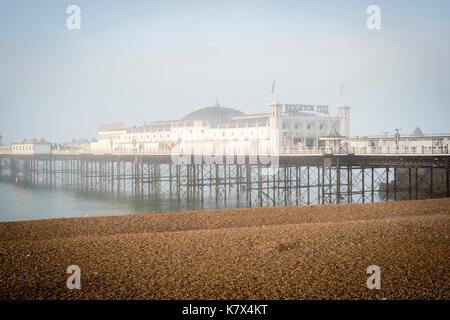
[[294, 108]]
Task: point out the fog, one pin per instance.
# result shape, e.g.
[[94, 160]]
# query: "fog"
[[136, 61]]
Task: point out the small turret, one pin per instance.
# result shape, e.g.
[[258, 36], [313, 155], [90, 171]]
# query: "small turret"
[[417, 132], [275, 108], [343, 112]]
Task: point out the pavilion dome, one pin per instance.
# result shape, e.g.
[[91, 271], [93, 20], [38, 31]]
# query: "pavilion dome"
[[213, 114]]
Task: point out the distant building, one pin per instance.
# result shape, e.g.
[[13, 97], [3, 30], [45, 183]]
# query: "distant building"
[[223, 130], [32, 146], [76, 145]]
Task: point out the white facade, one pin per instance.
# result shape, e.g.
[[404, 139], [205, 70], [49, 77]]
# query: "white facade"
[[29, 147], [222, 130]]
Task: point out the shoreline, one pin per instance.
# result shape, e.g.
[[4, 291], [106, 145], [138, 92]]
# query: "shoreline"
[[308, 252], [221, 210]]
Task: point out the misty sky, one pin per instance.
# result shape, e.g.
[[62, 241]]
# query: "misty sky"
[[136, 61]]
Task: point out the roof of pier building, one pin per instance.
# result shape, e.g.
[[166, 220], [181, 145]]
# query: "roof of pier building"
[[215, 114], [33, 141], [333, 133]]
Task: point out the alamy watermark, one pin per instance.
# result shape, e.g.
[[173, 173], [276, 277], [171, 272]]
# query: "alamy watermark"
[[374, 20], [237, 152], [74, 281], [73, 22], [374, 281]]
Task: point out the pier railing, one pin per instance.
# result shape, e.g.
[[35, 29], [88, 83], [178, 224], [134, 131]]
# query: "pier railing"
[[319, 151]]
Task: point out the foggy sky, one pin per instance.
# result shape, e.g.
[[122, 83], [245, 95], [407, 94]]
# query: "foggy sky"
[[136, 61]]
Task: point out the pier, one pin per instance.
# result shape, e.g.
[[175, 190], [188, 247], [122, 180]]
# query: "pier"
[[297, 180]]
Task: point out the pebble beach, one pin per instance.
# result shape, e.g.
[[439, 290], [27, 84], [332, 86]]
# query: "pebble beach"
[[309, 252]]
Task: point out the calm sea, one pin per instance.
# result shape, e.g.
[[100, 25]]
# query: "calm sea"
[[25, 202]]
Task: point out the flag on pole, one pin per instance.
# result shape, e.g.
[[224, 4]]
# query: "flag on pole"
[[340, 90], [273, 85]]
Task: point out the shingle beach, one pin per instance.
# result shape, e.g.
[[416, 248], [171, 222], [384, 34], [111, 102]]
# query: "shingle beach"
[[315, 252]]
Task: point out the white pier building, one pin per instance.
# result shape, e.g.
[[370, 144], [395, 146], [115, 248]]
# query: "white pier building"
[[223, 130]]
